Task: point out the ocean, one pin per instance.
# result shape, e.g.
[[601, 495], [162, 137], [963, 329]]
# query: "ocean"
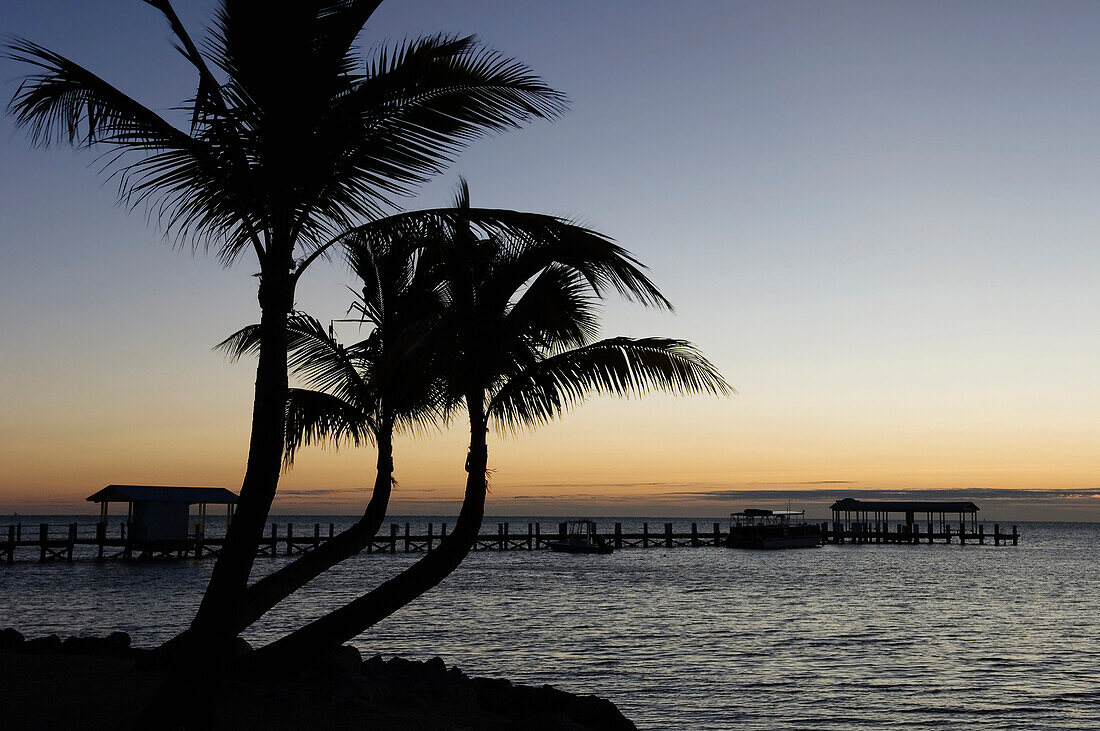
[[838, 637]]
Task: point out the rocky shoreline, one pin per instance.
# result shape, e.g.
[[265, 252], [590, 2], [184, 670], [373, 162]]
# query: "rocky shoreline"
[[102, 682]]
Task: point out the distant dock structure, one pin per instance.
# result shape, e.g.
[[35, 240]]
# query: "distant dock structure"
[[868, 521], [159, 524]]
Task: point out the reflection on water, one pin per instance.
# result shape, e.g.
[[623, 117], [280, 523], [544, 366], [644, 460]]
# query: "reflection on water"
[[837, 637]]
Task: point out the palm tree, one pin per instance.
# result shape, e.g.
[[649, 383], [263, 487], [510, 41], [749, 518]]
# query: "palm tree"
[[363, 392], [393, 376], [291, 138], [519, 320]]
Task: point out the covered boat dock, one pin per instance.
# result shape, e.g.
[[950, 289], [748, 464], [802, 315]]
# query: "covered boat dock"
[[158, 517], [870, 521], [158, 513]]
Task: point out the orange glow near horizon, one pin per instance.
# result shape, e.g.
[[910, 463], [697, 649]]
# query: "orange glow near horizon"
[[635, 457]]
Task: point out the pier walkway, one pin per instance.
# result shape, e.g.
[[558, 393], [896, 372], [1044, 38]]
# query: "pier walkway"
[[46, 542]]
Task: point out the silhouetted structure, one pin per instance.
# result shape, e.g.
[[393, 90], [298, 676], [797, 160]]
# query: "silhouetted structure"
[[866, 510], [867, 521], [56, 543], [158, 516], [581, 537], [772, 529]]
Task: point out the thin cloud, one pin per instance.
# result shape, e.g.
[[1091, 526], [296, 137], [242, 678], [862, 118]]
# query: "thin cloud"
[[982, 493], [324, 491]]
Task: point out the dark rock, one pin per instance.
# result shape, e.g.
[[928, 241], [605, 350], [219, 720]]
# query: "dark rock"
[[49, 643], [494, 692], [11, 639], [354, 688], [119, 638], [344, 659], [150, 659], [97, 645], [82, 645], [490, 704], [598, 713], [436, 665]]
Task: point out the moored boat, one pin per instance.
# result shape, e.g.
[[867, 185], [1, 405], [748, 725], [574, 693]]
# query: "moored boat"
[[772, 529], [580, 537]]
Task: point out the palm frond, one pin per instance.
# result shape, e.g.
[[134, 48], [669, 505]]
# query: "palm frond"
[[423, 100], [66, 102], [404, 120], [621, 367], [340, 22], [555, 309], [528, 243], [300, 140], [245, 341], [187, 182], [208, 94], [314, 417], [314, 355]]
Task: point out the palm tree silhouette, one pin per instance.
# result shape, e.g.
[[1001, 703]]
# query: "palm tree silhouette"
[[520, 292], [362, 393], [293, 137]]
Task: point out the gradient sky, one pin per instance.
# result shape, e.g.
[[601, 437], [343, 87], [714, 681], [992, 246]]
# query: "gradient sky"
[[879, 219]]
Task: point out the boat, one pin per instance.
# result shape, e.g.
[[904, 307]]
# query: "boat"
[[771, 529], [580, 537]]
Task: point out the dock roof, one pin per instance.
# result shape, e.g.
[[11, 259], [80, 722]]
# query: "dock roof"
[[162, 494], [904, 506]]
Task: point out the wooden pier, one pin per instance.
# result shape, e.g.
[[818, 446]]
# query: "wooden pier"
[[100, 542]]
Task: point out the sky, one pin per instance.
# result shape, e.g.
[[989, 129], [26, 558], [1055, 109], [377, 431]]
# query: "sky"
[[878, 219]]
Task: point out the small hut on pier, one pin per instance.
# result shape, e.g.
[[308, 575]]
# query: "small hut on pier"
[[849, 510], [158, 514]]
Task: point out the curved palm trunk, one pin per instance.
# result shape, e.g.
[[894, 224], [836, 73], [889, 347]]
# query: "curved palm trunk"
[[264, 594], [341, 625], [273, 588]]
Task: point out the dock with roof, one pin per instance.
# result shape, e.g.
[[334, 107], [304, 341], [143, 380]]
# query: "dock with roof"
[[869, 521]]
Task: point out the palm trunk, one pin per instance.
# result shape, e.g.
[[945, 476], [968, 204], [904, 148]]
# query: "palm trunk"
[[273, 588], [261, 596], [217, 615], [341, 625], [210, 638]]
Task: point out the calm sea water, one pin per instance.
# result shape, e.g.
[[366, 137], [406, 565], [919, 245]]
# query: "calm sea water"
[[838, 637]]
